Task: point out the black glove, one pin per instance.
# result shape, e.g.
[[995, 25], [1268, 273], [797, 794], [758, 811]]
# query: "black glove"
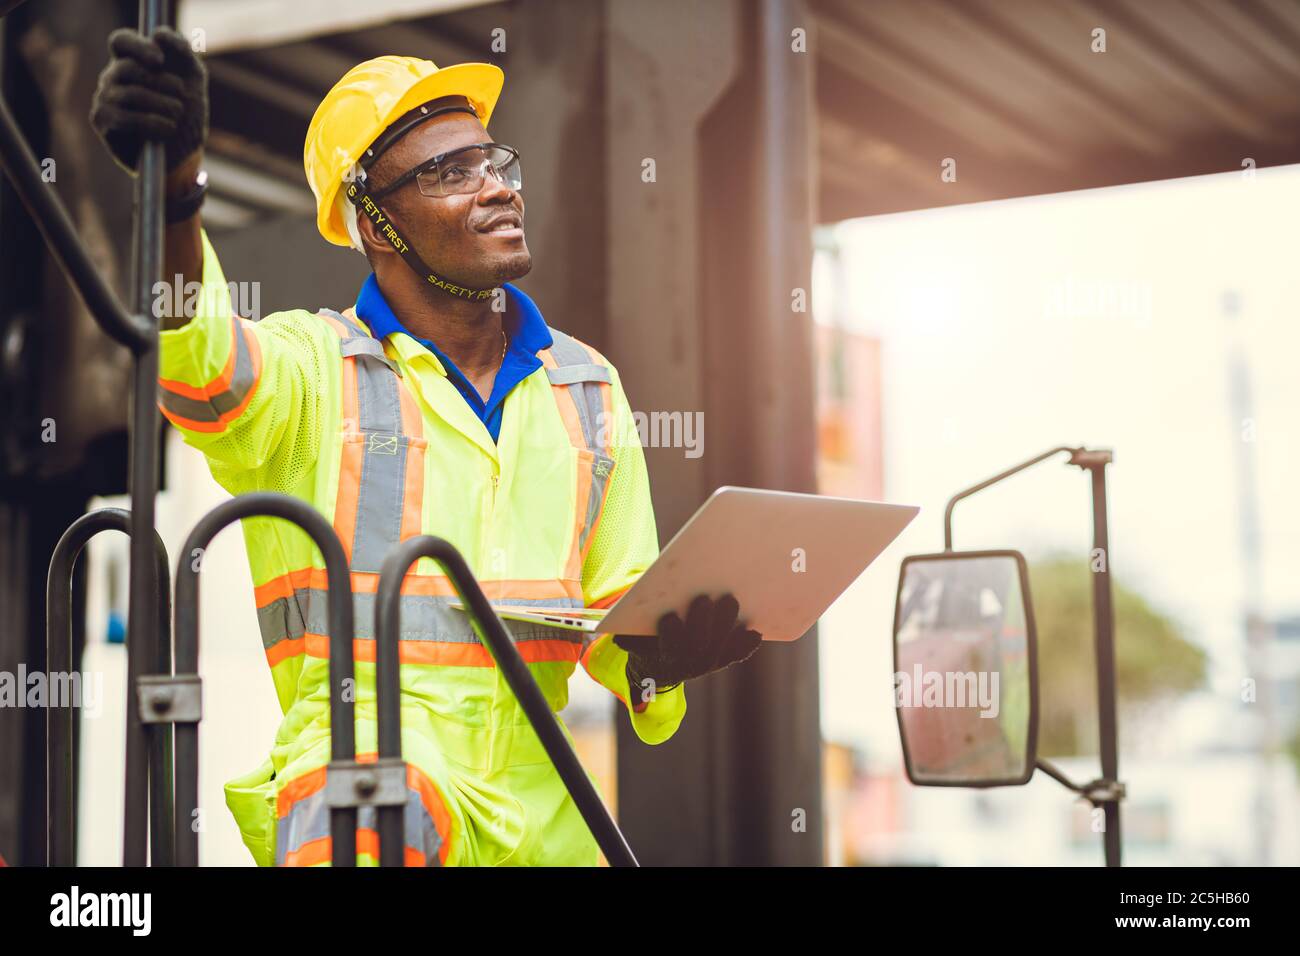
[[153, 90], [710, 639]]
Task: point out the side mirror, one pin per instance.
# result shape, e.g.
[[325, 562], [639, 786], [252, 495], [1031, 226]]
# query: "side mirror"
[[965, 669]]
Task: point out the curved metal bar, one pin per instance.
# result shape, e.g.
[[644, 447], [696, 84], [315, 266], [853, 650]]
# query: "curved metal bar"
[[61, 237], [1057, 774], [966, 493], [60, 767], [493, 634], [343, 821]]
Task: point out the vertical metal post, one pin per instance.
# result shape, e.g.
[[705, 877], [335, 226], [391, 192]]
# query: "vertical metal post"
[[1103, 618], [388, 701], [142, 634], [162, 805]]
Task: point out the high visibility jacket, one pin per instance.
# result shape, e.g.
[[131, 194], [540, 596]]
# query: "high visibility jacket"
[[375, 436]]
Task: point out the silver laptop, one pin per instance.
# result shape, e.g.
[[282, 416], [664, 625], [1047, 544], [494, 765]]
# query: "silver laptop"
[[785, 556]]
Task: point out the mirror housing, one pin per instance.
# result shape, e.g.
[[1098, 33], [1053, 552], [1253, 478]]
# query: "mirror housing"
[[966, 669]]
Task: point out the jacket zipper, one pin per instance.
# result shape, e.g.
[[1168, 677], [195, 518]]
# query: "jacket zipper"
[[486, 530]]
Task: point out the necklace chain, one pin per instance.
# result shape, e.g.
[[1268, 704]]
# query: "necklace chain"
[[505, 342]]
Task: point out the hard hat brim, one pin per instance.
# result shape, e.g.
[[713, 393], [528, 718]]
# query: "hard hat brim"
[[480, 83]]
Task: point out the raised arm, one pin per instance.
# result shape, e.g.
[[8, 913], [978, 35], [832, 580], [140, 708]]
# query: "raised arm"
[[155, 89]]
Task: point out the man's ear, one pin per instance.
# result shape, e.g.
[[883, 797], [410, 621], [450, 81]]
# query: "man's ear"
[[374, 242]]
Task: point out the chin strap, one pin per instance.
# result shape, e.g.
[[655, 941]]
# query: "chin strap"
[[387, 228]]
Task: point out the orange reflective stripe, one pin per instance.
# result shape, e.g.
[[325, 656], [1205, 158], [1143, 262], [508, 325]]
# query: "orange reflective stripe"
[[223, 399], [565, 402], [609, 599], [353, 453], [297, 789], [437, 585], [283, 586], [339, 328], [419, 782], [283, 650], [219, 384], [577, 554], [444, 653], [321, 851], [312, 853]]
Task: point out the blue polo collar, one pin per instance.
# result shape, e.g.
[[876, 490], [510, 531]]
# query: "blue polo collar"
[[523, 321], [525, 328]]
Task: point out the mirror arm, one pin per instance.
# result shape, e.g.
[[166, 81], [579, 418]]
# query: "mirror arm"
[[1095, 792], [966, 493]]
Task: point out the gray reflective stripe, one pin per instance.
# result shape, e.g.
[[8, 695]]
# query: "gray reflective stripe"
[[352, 326], [283, 619], [379, 499], [567, 352], [378, 404], [424, 618], [601, 469], [367, 347], [586, 392], [582, 376], [381, 488], [578, 373], [309, 819], [212, 408]]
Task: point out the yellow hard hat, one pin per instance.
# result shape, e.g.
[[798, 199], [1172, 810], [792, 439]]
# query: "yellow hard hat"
[[368, 98]]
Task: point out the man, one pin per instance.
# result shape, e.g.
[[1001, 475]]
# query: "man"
[[442, 403]]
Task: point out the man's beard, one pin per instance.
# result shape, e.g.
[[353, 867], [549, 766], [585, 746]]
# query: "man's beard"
[[512, 267]]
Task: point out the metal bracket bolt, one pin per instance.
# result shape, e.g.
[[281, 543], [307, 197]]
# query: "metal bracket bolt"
[[379, 783], [1098, 792], [168, 699]]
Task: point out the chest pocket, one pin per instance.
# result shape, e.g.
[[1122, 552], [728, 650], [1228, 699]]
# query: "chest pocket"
[[584, 393], [381, 475]]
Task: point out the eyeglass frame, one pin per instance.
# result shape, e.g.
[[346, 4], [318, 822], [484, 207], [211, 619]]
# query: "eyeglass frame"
[[432, 164]]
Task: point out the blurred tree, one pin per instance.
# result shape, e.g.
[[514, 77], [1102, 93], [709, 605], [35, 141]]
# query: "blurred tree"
[[1293, 747], [1154, 663]]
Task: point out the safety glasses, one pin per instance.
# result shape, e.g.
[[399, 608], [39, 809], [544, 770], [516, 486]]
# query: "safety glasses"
[[461, 171]]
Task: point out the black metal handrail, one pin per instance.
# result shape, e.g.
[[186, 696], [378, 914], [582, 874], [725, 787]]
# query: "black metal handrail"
[[60, 767], [508, 660], [51, 218], [343, 820], [138, 330]]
